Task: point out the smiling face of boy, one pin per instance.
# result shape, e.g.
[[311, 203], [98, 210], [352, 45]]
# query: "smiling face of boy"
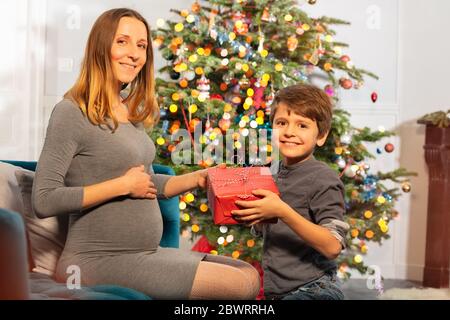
[[296, 135]]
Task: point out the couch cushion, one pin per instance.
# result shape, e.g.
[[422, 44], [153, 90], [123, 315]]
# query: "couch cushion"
[[43, 287], [47, 236], [10, 198]]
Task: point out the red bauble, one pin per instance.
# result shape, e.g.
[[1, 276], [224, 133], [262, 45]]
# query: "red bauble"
[[389, 147], [346, 83], [374, 97], [216, 96], [345, 58]]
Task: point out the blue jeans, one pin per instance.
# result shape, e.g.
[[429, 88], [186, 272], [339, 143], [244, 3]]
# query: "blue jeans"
[[324, 288]]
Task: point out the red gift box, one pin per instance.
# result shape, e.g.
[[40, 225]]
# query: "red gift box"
[[227, 185]]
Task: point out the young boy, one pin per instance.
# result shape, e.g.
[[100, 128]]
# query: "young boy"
[[299, 250]]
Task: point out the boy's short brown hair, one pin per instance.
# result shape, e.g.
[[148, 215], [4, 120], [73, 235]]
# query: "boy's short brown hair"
[[308, 101]]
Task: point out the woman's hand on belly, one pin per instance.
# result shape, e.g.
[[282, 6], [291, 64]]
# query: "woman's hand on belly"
[[139, 183]]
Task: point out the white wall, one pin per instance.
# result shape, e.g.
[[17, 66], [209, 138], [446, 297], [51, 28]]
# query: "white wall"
[[403, 41], [423, 84]]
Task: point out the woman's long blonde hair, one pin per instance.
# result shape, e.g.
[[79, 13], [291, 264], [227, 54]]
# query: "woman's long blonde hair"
[[95, 90]]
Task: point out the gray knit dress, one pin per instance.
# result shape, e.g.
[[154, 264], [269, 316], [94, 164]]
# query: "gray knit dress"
[[116, 242]]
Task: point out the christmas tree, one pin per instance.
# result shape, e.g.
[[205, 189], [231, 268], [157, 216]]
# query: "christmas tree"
[[225, 61]]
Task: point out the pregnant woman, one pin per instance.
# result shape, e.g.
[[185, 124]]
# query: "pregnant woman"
[[95, 165]]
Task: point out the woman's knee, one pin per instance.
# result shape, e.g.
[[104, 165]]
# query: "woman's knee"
[[249, 285], [221, 281]]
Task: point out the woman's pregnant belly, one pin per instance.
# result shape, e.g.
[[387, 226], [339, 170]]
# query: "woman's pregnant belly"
[[120, 225]]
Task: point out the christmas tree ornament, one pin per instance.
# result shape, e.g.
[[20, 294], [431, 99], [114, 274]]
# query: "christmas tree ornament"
[[207, 123], [222, 37], [389, 147], [341, 163], [168, 55], [203, 87], [244, 83], [346, 139], [261, 39], [224, 124], [314, 58], [213, 33], [240, 28], [327, 66], [272, 18], [174, 75], [212, 23], [345, 58], [238, 16], [195, 7], [358, 84], [258, 96], [265, 15], [406, 187], [345, 83], [292, 43], [395, 214], [374, 97], [349, 172], [299, 30], [329, 90]]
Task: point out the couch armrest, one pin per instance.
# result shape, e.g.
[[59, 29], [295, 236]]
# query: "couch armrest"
[[170, 213], [13, 257]]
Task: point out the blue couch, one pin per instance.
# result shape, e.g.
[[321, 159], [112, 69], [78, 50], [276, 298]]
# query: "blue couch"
[[23, 285]]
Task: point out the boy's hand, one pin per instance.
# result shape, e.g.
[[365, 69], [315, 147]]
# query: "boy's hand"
[[202, 175], [270, 206]]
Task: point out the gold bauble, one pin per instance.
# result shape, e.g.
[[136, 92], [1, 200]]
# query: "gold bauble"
[[406, 187]]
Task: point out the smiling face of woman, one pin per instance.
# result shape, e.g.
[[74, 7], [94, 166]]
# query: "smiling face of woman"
[[129, 49]]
